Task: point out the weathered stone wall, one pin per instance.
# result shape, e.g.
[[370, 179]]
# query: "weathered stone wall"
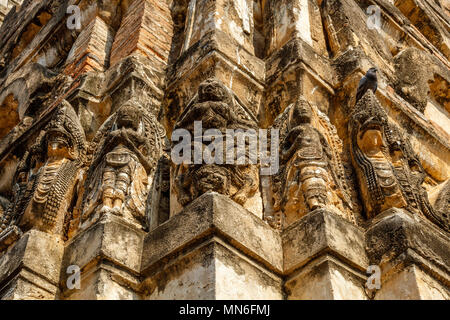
[[6, 6], [94, 204]]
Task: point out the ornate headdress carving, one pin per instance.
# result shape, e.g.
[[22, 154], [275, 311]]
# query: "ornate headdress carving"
[[66, 125]]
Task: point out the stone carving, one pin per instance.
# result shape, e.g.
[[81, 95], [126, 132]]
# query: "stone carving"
[[311, 175], [442, 205], [46, 177], [379, 187], [125, 152], [389, 173], [216, 107], [412, 77], [225, 179]]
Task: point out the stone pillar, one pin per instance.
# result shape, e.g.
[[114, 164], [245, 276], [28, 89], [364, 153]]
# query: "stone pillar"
[[324, 258], [128, 45], [91, 50], [147, 30], [294, 19], [30, 268], [108, 254], [413, 255], [218, 41], [297, 61], [205, 252]]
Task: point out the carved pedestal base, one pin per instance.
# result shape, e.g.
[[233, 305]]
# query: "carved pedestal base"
[[413, 256], [29, 269], [108, 254], [213, 249], [324, 258]]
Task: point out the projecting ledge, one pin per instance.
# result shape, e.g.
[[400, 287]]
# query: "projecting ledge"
[[324, 258], [27, 271], [211, 215], [413, 255], [323, 232]]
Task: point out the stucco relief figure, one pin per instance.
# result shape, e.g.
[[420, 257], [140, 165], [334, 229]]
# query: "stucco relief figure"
[[306, 181], [389, 173], [195, 180], [305, 149], [411, 176], [47, 175], [125, 152], [378, 183], [216, 108], [22, 190], [214, 105]]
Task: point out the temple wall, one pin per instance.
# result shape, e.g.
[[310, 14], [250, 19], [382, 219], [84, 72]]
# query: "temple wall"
[[95, 97]]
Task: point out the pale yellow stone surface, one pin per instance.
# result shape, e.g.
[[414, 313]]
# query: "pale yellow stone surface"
[[143, 239], [412, 284]]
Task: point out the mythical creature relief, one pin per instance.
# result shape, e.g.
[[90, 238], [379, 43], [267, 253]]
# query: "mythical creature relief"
[[125, 152], [311, 174], [46, 178], [389, 173], [217, 108]]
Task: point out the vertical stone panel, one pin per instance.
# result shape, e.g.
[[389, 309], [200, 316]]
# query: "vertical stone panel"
[[91, 50], [146, 29]]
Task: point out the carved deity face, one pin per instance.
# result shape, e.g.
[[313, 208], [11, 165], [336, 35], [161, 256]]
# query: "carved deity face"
[[302, 113], [213, 90], [128, 116], [371, 141], [57, 145], [211, 178]]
